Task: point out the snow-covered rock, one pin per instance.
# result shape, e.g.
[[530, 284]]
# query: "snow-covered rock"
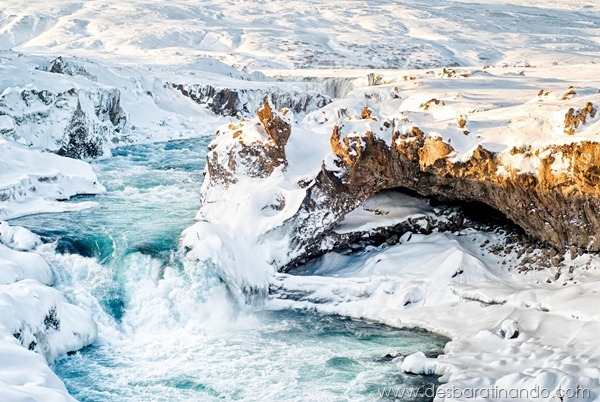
[[18, 238], [41, 320], [25, 376], [44, 110], [518, 122], [32, 181], [418, 363], [245, 102], [37, 324], [16, 266], [509, 329], [449, 133]]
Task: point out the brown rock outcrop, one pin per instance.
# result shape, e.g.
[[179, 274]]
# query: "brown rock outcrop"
[[559, 206], [575, 118], [551, 192], [249, 148]]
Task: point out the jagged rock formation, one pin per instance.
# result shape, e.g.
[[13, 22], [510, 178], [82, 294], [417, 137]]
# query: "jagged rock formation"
[[451, 219], [80, 141], [557, 207], [558, 202], [62, 66], [573, 118], [244, 102], [46, 119], [257, 153]]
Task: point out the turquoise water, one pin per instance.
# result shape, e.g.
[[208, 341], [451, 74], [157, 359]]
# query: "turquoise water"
[[169, 331]]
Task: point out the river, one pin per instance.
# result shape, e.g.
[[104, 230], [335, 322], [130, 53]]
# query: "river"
[[169, 330]]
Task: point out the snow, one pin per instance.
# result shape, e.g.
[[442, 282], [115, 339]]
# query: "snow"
[[448, 284], [36, 323], [382, 210], [444, 282], [498, 56], [18, 238], [16, 266], [298, 34], [32, 181]]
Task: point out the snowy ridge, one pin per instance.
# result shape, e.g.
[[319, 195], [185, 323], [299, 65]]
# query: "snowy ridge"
[[298, 34]]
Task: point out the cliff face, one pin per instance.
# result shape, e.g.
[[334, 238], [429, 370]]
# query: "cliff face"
[[246, 101], [557, 206], [77, 122], [256, 150], [488, 137], [551, 191]]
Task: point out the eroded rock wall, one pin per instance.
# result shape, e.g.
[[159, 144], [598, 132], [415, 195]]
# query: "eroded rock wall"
[[245, 102], [557, 206]]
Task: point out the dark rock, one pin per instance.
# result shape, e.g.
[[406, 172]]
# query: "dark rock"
[[80, 140], [62, 66], [241, 102], [51, 321]]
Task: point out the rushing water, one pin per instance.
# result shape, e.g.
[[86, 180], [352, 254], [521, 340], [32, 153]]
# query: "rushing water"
[[170, 331]]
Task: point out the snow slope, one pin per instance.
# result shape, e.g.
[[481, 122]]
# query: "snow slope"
[[308, 34]]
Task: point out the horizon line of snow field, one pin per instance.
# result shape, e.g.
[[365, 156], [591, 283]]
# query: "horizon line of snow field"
[[296, 34]]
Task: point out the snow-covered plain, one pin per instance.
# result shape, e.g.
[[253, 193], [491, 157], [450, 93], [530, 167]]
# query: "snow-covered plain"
[[307, 34], [444, 282]]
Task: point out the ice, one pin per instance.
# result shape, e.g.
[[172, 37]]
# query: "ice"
[[391, 57]]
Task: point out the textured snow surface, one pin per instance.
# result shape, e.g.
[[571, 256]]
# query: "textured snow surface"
[[383, 209], [37, 324], [448, 284], [32, 181], [308, 34], [536, 49]]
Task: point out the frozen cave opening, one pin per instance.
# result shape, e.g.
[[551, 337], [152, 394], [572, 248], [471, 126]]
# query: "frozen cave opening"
[[390, 214]]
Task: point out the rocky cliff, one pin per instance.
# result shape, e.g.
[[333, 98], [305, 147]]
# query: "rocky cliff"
[[549, 190], [47, 119], [558, 207], [243, 102]]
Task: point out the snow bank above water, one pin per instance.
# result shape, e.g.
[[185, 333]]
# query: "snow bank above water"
[[33, 182], [37, 324], [509, 329]]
